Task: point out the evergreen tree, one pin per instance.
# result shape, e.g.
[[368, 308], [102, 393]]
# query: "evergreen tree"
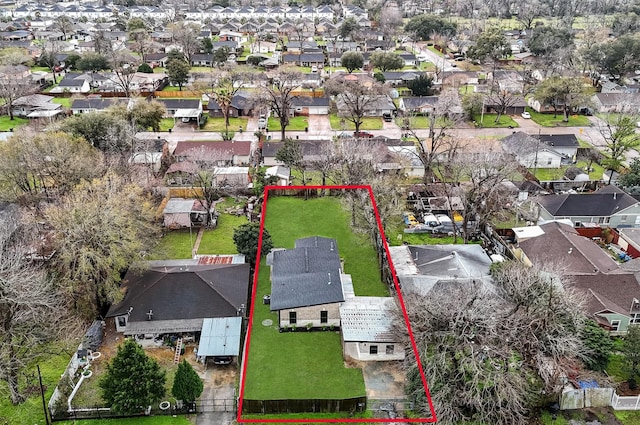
[[187, 385], [133, 381]]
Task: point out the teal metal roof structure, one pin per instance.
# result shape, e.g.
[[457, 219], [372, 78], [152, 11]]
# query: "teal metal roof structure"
[[220, 337]]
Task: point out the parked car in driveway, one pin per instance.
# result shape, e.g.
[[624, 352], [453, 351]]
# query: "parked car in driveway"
[[526, 115], [362, 135]]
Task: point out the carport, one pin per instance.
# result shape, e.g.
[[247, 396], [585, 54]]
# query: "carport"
[[220, 337], [188, 113]]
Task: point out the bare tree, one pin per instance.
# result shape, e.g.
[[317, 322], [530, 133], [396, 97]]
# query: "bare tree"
[[278, 92], [501, 100], [491, 350], [31, 308], [123, 72], [356, 99], [186, 36], [476, 178], [445, 115], [13, 86]]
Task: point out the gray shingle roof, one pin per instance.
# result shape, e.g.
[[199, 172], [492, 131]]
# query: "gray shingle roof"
[[306, 275], [603, 203]]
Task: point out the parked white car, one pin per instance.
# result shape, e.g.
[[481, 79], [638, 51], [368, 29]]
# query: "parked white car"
[[526, 115]]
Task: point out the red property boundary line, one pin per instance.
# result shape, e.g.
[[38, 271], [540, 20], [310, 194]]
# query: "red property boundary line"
[[239, 418]]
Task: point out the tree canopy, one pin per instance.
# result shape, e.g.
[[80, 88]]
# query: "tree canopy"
[[421, 86], [178, 72], [490, 44], [426, 26], [246, 239], [599, 345], [352, 60], [132, 380], [386, 61]]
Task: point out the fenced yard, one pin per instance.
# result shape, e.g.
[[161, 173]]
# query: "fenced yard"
[[307, 365]]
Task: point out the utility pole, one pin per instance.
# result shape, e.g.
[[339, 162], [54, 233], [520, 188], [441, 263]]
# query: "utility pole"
[[44, 404]]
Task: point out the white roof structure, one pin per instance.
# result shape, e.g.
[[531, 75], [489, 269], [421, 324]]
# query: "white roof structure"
[[178, 205], [524, 233], [187, 113], [220, 337], [367, 319]]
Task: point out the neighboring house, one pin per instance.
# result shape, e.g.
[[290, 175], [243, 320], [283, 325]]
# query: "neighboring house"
[[219, 153], [72, 83], [422, 105], [566, 144], [181, 213], [308, 105], [156, 59], [83, 106], [420, 268], [617, 102], [400, 78], [183, 108], [304, 59], [374, 108], [36, 106], [175, 297], [516, 107], [531, 152], [612, 292], [237, 177], [608, 206], [202, 59], [311, 150], [307, 284]]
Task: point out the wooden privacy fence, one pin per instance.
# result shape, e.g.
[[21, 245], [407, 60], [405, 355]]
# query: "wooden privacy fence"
[[357, 404]]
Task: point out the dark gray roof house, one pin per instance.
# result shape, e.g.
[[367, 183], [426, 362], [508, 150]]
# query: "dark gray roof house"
[[307, 275], [177, 298]]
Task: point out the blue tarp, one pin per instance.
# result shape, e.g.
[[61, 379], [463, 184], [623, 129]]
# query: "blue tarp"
[[588, 384]]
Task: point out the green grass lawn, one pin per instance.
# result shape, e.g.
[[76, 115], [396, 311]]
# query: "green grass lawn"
[[6, 123], [30, 412], [295, 124], [547, 174], [615, 368], [166, 124], [217, 124], [64, 101], [627, 417], [489, 121], [289, 218], [176, 244], [369, 123], [220, 240], [549, 120]]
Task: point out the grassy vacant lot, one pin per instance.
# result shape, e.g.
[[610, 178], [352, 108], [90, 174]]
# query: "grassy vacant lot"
[[489, 121], [549, 120], [217, 124], [370, 123], [6, 124], [295, 124]]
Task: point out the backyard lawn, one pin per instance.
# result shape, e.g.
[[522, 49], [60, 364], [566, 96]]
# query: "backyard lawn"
[[549, 174], [279, 362], [217, 124], [289, 218], [489, 121], [220, 240], [64, 101], [549, 120], [295, 124], [7, 124], [369, 123], [166, 124], [176, 244]]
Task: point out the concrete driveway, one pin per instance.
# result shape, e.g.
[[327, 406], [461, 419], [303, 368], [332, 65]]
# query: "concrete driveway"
[[219, 387]]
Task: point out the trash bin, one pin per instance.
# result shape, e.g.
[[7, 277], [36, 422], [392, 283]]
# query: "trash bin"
[[306, 129]]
